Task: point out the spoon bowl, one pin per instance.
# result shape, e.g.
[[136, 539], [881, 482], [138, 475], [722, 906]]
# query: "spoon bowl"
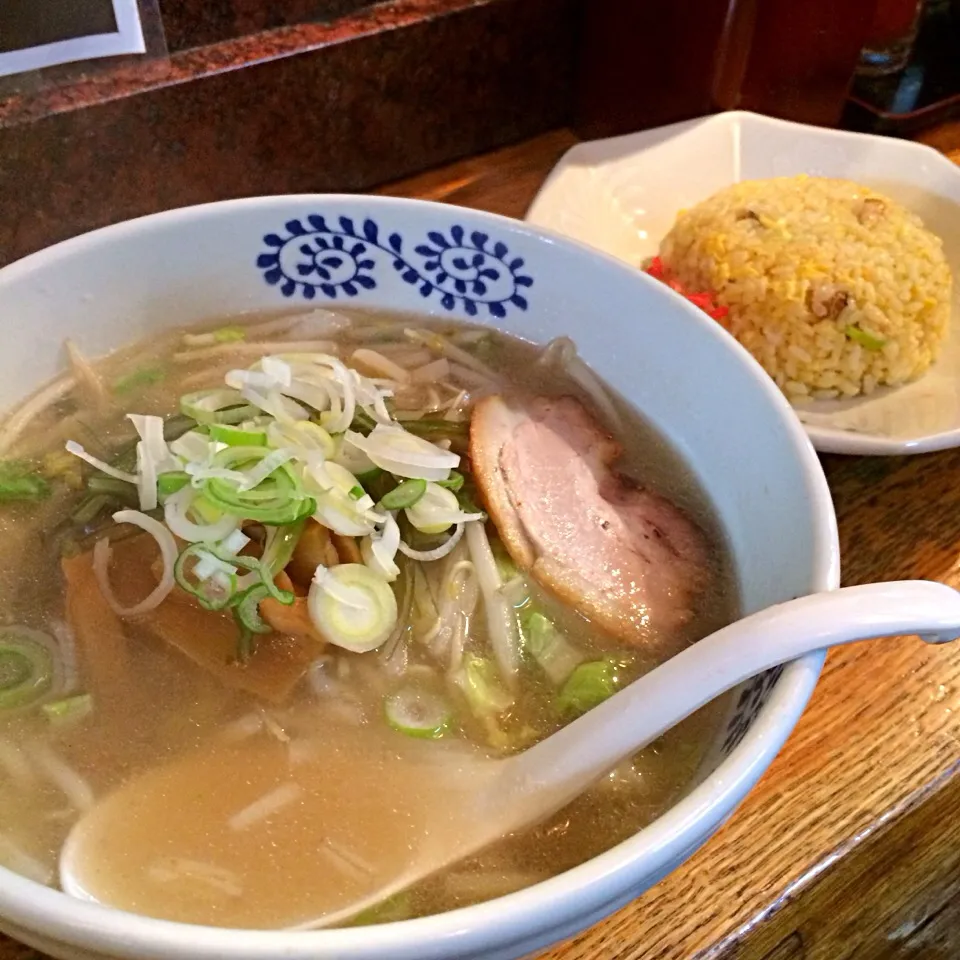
[[408, 817]]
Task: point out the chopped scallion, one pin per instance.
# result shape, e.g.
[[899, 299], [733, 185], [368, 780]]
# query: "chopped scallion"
[[212, 593], [418, 713], [352, 606], [405, 494], [454, 482], [170, 482], [278, 499], [27, 668], [237, 436], [246, 612], [217, 406]]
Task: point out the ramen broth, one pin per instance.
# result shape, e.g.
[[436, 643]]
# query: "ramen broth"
[[127, 695]]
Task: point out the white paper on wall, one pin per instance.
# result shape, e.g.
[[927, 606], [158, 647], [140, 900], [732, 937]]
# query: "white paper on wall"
[[35, 34]]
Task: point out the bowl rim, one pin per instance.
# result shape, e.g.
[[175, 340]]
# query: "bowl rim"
[[601, 883]]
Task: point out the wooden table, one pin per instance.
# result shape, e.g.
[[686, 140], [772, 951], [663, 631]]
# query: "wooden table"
[[850, 845]]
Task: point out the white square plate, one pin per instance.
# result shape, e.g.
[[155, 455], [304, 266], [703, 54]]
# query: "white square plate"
[[622, 195]]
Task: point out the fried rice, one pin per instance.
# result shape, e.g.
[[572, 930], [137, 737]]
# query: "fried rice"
[[833, 287]]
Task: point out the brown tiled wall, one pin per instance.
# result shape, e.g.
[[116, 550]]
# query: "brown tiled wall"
[[194, 23], [416, 89]]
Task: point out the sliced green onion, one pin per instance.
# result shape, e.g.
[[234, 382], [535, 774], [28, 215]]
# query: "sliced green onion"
[[453, 482], [139, 379], [192, 446], [352, 607], [217, 406], [19, 481], [396, 450], [246, 612], [70, 710], [405, 494], [279, 547], [263, 571], [278, 499], [301, 434], [418, 713], [866, 340], [27, 667], [363, 423], [356, 492], [211, 593], [171, 482], [266, 572], [438, 510], [206, 510], [367, 476], [556, 656], [589, 684], [176, 426], [237, 436], [355, 460], [479, 680]]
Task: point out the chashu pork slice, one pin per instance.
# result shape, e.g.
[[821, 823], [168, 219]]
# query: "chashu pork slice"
[[623, 556]]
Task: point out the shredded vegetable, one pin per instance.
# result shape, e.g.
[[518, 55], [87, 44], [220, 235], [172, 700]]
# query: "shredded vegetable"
[[589, 685], [478, 680], [555, 655]]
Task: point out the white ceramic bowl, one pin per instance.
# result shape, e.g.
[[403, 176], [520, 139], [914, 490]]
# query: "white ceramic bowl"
[[685, 373]]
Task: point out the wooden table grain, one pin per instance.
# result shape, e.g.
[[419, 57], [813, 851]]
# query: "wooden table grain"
[[849, 847]]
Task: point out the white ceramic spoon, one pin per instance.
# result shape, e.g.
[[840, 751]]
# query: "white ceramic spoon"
[[383, 829]]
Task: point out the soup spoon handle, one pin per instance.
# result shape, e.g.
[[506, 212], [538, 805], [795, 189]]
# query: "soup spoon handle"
[[566, 762]]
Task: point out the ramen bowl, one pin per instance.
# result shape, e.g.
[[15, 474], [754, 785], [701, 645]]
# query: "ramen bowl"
[[689, 378]]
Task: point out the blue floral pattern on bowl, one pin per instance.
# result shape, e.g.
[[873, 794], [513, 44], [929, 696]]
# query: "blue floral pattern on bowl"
[[753, 697], [340, 259]]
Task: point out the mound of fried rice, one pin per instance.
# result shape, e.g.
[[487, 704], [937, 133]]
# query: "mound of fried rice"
[[834, 288]]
